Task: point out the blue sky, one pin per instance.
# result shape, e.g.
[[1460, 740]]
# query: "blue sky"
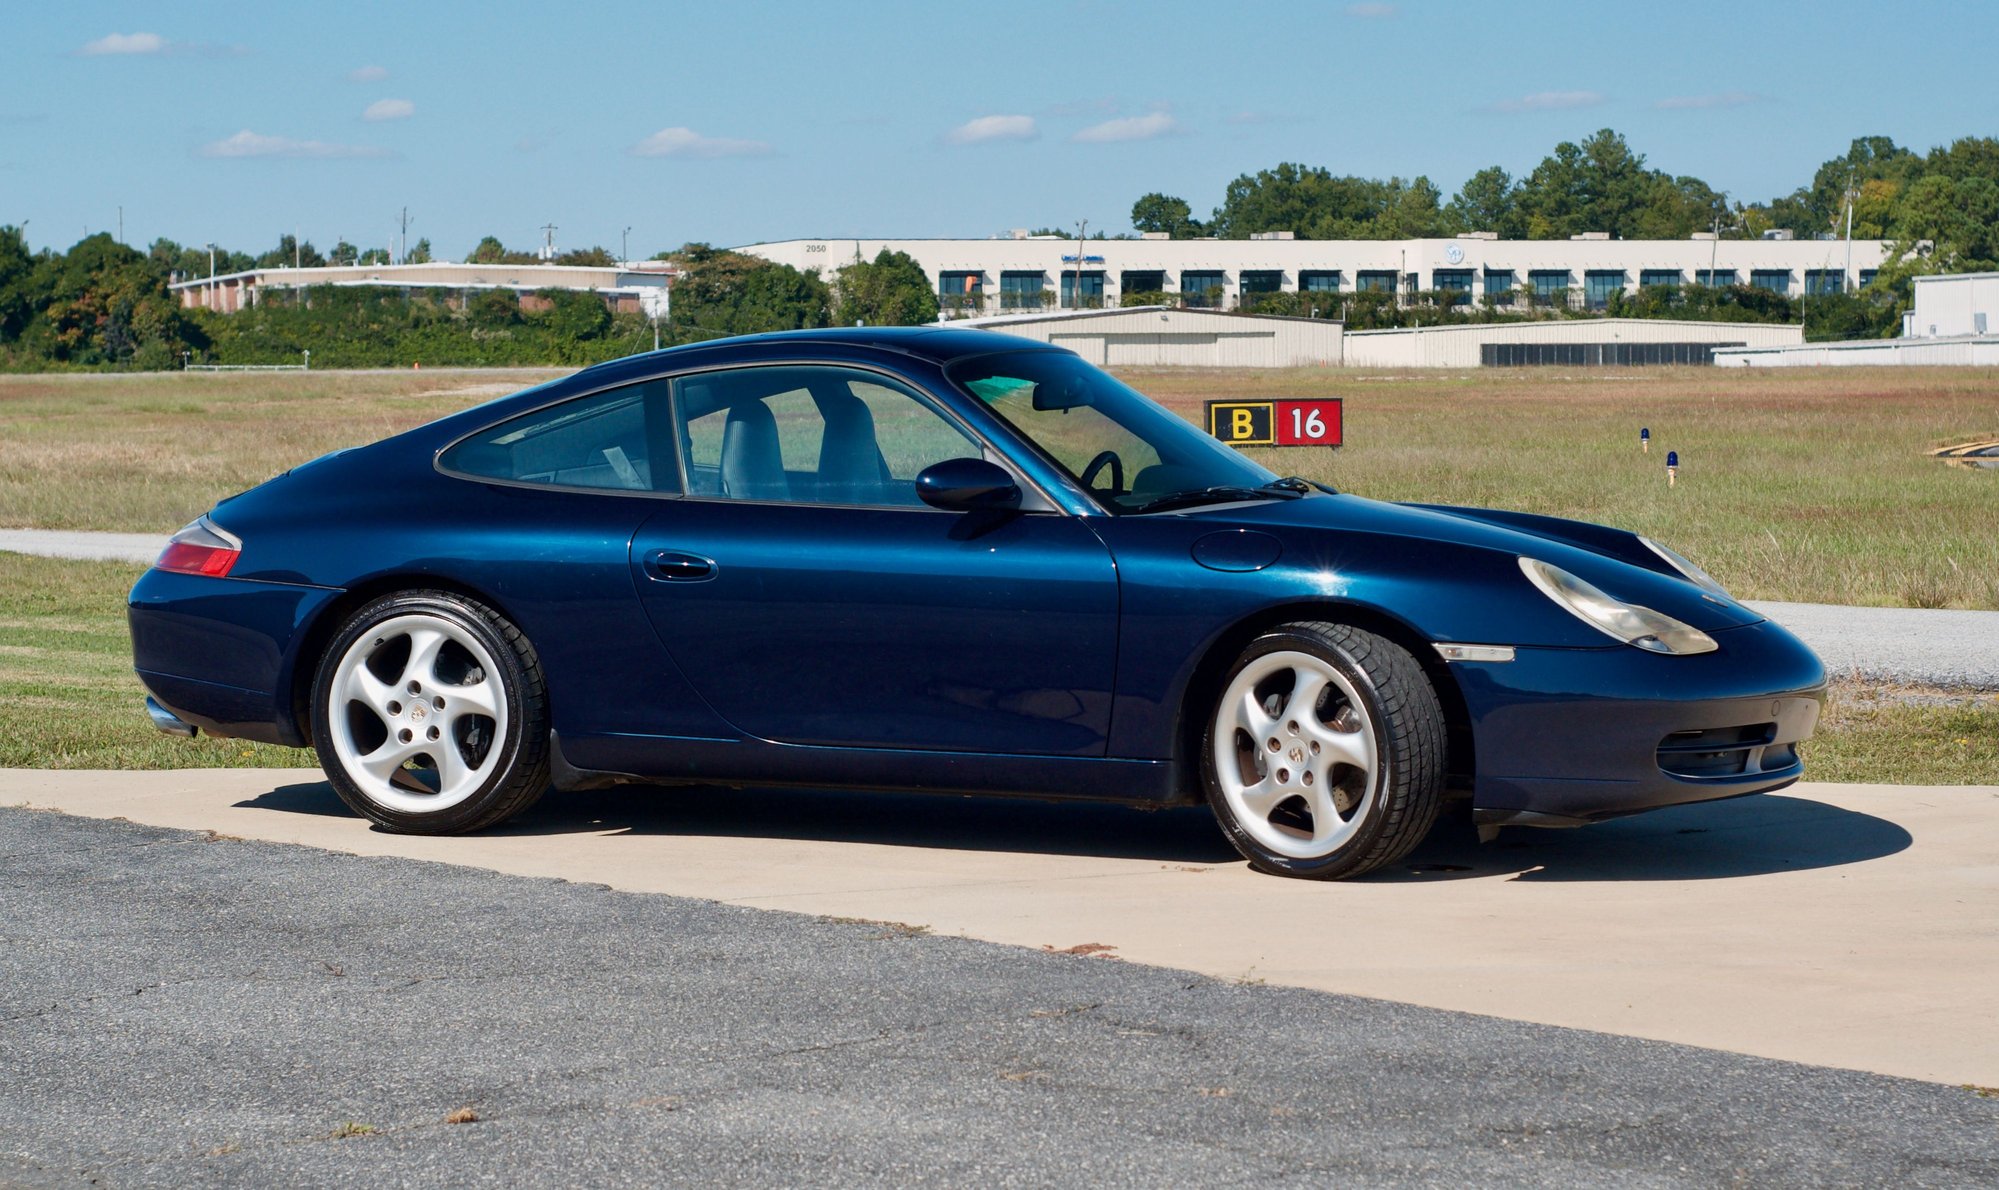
[[746, 120]]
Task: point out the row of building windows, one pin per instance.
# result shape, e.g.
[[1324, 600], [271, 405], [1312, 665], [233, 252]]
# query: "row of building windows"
[[1025, 289]]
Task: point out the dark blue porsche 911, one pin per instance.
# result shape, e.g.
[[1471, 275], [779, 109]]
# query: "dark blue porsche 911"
[[949, 561]]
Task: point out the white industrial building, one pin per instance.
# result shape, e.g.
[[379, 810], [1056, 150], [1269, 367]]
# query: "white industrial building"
[[1579, 342], [1158, 336], [1162, 336], [1021, 272], [638, 286], [1954, 321]]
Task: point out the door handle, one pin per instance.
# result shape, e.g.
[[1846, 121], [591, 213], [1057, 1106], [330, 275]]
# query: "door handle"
[[679, 566]]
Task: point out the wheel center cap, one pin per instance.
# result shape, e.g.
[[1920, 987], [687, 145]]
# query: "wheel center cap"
[[419, 711], [1297, 754]]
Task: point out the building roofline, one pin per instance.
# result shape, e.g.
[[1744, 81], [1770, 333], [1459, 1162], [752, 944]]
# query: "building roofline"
[[1113, 311], [373, 271], [1512, 322]]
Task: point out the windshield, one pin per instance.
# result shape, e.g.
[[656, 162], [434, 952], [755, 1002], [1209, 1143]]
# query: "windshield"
[[1132, 454]]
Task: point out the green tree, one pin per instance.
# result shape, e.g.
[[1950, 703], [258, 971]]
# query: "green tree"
[[491, 251], [288, 252], [574, 314], [593, 256], [494, 308], [1157, 213], [891, 290], [730, 293], [1598, 185], [343, 253], [17, 296], [419, 254], [103, 303], [1486, 202]]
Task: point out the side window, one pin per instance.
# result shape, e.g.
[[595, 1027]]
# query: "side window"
[[811, 435], [619, 440]]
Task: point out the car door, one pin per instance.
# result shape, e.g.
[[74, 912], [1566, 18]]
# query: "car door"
[[812, 598]]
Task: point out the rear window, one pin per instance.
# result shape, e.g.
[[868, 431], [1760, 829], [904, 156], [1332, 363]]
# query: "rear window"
[[617, 440]]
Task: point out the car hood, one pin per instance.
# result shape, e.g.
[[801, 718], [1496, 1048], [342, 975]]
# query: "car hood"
[[1614, 560]]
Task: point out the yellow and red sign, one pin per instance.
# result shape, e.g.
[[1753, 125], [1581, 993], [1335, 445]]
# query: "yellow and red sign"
[[1312, 422]]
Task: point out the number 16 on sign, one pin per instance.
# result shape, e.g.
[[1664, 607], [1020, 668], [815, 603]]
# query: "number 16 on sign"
[[1309, 423]]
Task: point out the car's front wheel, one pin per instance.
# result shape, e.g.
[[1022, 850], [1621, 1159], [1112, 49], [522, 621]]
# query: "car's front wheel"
[[430, 715], [1325, 754]]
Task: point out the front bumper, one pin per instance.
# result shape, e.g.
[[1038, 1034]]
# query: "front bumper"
[[1570, 736]]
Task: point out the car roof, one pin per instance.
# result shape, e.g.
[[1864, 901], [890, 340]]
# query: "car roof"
[[936, 344]]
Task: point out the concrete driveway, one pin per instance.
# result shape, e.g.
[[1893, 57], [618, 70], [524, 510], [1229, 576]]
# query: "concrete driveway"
[[1841, 925]]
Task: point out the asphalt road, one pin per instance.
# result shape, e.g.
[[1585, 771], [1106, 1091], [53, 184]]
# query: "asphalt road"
[[176, 1008]]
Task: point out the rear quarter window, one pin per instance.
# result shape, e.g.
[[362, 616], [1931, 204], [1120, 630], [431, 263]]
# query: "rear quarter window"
[[617, 440]]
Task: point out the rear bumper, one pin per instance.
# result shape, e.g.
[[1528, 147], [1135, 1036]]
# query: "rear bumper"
[[218, 654], [1570, 736]]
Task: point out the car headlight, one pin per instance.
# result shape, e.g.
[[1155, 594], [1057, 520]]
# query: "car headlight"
[[1628, 622], [1693, 573]]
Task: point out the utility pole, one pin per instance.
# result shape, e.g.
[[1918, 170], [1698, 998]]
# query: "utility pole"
[[548, 241], [1076, 290], [403, 241], [1846, 278], [211, 276], [121, 223], [624, 245]]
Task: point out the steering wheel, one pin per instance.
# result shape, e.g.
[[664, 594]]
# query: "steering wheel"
[[1105, 458]]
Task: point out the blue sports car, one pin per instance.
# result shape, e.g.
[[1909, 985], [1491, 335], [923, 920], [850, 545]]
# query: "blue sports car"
[[951, 561]]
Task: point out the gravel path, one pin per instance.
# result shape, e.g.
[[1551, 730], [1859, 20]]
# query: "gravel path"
[[180, 1008], [1898, 644], [1939, 648], [96, 547]]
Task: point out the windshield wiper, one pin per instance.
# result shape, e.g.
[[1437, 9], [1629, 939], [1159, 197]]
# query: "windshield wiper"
[[1282, 489]]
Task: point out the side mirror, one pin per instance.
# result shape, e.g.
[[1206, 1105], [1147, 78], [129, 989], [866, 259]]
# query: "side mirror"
[[963, 485]]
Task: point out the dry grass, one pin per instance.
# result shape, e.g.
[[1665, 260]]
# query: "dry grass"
[[152, 451], [1803, 485], [68, 697], [1794, 484]]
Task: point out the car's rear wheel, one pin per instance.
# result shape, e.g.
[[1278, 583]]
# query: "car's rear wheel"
[[1325, 754], [430, 715]]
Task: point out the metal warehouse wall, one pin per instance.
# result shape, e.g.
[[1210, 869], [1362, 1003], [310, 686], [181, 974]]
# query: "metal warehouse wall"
[[1462, 346], [1152, 337], [1964, 352]]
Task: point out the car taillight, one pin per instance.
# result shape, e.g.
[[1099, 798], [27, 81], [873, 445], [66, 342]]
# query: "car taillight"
[[202, 547]]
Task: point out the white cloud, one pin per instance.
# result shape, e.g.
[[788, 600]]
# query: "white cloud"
[[986, 129], [389, 109], [250, 144], [1548, 101], [1698, 102], [125, 43], [1374, 12], [1143, 127], [685, 142], [367, 74]]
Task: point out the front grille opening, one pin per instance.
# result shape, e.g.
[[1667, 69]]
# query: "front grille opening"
[[1725, 751]]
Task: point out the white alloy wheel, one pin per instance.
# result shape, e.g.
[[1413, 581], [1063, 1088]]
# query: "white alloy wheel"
[[417, 713], [1295, 755]]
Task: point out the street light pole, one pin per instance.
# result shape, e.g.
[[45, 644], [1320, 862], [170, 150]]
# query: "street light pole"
[[625, 246]]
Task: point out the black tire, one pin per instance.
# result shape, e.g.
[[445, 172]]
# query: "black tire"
[[518, 751], [1408, 732]]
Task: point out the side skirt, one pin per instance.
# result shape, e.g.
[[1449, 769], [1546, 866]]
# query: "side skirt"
[[598, 761]]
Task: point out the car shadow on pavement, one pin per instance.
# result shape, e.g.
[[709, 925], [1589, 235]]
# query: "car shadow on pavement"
[[1179, 835], [1749, 836]]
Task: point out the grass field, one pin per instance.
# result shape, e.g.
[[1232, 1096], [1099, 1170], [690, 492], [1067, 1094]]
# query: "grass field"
[[68, 698], [1798, 484]]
